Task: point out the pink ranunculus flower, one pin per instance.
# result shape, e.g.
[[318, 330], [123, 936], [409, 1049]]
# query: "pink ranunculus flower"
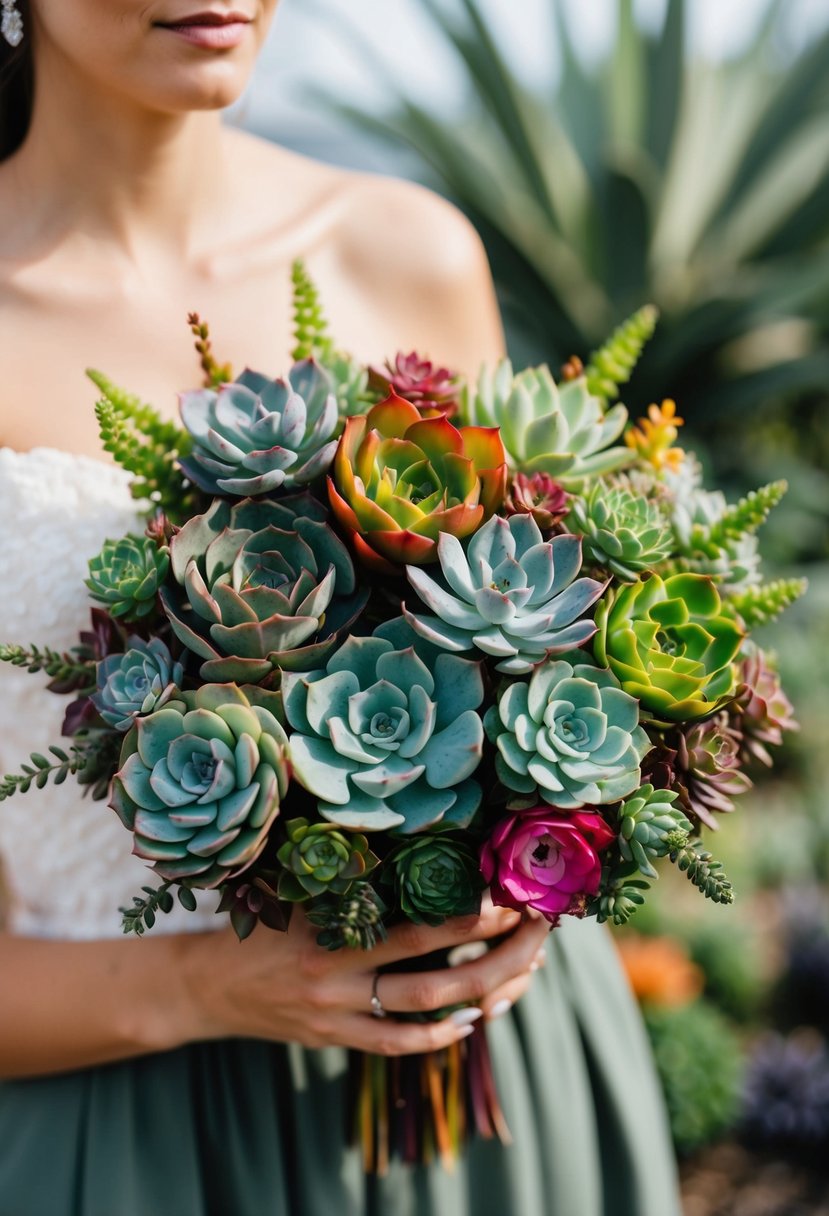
[[545, 859]]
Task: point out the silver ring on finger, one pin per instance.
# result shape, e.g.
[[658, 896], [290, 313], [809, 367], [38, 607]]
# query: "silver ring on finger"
[[377, 1010]]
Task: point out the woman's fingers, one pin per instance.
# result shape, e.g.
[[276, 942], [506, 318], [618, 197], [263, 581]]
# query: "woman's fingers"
[[468, 983], [389, 1037], [411, 941]]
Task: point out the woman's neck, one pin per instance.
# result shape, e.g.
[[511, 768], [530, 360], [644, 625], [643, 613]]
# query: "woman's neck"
[[136, 181]]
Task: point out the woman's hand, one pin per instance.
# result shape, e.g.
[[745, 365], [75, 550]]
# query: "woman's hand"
[[285, 987]]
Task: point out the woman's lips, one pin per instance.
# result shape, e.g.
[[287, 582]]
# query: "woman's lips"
[[210, 31]]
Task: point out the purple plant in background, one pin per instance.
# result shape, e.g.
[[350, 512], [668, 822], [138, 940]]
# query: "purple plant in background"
[[786, 1093]]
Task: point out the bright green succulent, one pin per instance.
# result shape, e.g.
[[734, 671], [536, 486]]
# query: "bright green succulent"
[[200, 784], [262, 585], [548, 428], [670, 644], [436, 877], [622, 530], [510, 593], [126, 576], [319, 859], [650, 826], [571, 734], [386, 740], [256, 435]]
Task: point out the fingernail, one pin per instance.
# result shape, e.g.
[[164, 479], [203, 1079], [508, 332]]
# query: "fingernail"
[[465, 1032], [535, 965], [541, 957], [500, 1008], [462, 1017], [466, 953]]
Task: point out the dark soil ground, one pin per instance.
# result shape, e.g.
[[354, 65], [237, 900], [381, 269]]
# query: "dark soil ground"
[[730, 1180]]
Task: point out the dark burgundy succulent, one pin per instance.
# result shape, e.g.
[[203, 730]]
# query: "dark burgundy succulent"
[[537, 495], [432, 389]]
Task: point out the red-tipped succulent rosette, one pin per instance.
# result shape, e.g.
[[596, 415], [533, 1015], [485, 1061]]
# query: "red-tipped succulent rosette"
[[399, 480]]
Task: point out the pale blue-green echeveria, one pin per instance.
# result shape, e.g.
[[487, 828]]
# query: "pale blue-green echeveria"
[[262, 585], [384, 739], [622, 529], [570, 733], [135, 682], [200, 784], [256, 435], [509, 592], [548, 428]]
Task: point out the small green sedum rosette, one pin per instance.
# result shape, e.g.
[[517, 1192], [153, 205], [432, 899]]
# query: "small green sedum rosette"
[[319, 859], [127, 574], [669, 643], [510, 593], [200, 784], [570, 734], [385, 739], [621, 529], [435, 878]]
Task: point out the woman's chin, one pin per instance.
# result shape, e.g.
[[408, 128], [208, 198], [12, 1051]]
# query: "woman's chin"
[[209, 86]]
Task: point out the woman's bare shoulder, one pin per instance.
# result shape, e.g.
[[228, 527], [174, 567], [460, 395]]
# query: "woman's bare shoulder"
[[403, 250]]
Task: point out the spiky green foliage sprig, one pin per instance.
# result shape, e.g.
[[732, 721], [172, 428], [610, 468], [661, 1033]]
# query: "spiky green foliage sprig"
[[71, 671], [704, 871], [612, 364], [142, 914], [214, 373], [746, 515], [40, 770], [144, 444], [311, 336], [760, 605], [621, 893]]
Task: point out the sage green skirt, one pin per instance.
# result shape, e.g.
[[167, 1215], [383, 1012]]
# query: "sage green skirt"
[[240, 1128]]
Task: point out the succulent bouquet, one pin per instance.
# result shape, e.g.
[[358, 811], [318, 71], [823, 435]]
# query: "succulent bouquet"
[[391, 638]]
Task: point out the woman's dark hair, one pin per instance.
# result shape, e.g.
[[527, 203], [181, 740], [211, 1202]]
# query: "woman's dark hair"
[[17, 86]]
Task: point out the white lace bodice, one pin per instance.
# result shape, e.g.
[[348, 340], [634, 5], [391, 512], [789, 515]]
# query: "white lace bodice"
[[66, 861]]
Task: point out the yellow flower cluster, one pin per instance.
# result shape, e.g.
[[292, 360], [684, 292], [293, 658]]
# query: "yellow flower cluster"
[[652, 438]]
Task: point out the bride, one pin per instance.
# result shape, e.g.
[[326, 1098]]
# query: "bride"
[[185, 1074]]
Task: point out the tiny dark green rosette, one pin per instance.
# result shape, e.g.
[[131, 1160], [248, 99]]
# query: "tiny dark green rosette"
[[201, 782], [318, 859], [436, 877]]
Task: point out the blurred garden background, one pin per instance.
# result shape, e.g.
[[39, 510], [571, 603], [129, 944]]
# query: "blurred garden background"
[[613, 154]]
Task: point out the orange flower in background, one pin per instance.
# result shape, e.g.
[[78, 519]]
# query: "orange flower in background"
[[652, 438], [659, 970]]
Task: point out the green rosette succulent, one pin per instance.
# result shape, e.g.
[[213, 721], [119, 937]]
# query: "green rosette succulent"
[[651, 826], [669, 643], [510, 593], [257, 435], [386, 739], [319, 859], [135, 682], [200, 784], [261, 585], [570, 734], [436, 877], [548, 428], [127, 574], [621, 529]]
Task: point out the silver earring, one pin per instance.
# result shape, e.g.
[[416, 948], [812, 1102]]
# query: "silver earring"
[[11, 23]]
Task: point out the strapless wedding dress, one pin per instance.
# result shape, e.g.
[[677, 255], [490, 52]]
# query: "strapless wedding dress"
[[237, 1128], [65, 859]]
